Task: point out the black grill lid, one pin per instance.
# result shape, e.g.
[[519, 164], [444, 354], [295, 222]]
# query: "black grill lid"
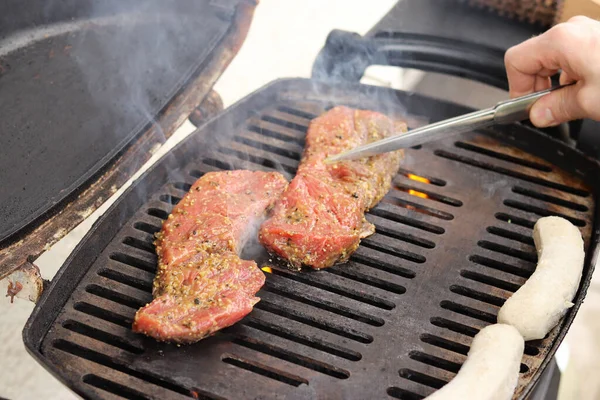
[[80, 81]]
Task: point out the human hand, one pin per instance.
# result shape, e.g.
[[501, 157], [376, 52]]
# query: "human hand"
[[572, 47]]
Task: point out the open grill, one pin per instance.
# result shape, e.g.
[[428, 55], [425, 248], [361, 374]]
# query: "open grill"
[[453, 241]]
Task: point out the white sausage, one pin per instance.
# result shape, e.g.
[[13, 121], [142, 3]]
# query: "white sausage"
[[541, 302], [491, 370]]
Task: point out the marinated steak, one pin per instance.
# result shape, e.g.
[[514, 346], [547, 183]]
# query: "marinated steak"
[[202, 285], [319, 220]]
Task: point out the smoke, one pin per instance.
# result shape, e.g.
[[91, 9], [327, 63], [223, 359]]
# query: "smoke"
[[126, 52], [490, 189], [252, 249], [130, 59]]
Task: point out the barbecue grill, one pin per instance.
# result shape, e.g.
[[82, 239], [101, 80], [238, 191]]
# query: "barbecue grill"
[[453, 241]]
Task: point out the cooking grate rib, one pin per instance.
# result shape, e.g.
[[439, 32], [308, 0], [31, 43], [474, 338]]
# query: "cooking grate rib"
[[453, 241]]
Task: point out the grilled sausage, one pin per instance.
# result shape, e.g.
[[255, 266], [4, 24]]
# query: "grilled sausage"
[[491, 370], [544, 299]]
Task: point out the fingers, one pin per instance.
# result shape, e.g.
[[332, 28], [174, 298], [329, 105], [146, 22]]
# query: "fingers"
[[573, 48], [544, 56], [557, 107], [542, 83], [527, 61], [565, 78]]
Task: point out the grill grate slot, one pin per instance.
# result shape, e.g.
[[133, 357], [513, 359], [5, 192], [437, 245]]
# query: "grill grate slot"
[[511, 219], [323, 304], [474, 294], [313, 342], [102, 336], [275, 134], [394, 251], [217, 163], [503, 157], [408, 238], [454, 326], [287, 124], [295, 155], [421, 178], [145, 245], [382, 211], [146, 227], [94, 356], [183, 186], [508, 172], [549, 199], [314, 322], [261, 161], [101, 313], [488, 280], [468, 311], [383, 266], [197, 174], [421, 378], [158, 213], [286, 355], [509, 251], [542, 212], [411, 205], [426, 194], [113, 387], [505, 233], [444, 344], [170, 199], [463, 330], [264, 370], [403, 394], [531, 350], [369, 280], [134, 262], [136, 283], [321, 283], [501, 266], [116, 296], [297, 113], [435, 361]]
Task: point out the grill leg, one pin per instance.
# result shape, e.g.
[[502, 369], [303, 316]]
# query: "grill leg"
[[547, 386]]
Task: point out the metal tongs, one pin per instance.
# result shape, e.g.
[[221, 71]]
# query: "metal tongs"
[[505, 112]]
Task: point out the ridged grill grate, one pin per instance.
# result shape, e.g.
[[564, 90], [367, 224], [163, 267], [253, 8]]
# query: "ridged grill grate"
[[453, 241]]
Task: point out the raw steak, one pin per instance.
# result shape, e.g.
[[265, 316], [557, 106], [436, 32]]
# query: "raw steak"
[[319, 220], [202, 285]]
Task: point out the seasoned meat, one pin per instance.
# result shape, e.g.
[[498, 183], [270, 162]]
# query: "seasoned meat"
[[202, 285], [319, 220]]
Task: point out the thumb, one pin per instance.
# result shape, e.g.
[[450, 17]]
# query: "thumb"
[[557, 107]]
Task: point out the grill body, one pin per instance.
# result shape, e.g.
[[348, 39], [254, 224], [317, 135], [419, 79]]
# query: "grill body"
[[396, 321]]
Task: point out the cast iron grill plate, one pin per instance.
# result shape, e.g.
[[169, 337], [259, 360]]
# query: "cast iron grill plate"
[[396, 321]]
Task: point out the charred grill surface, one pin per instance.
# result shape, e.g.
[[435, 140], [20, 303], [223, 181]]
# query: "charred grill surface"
[[319, 220], [452, 242]]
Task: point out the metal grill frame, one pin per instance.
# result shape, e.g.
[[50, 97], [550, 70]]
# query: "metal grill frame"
[[42, 327]]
